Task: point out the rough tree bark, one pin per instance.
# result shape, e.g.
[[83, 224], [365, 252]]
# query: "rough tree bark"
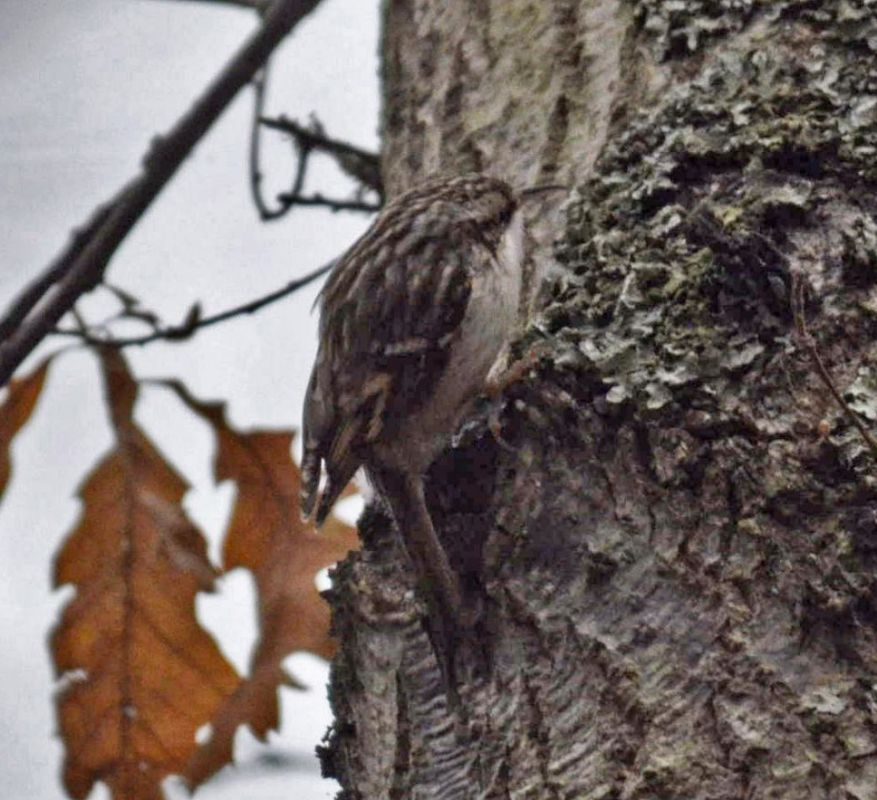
[[678, 549]]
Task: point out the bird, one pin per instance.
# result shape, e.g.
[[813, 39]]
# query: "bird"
[[413, 319]]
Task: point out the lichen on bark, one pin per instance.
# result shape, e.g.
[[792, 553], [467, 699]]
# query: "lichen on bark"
[[676, 539]]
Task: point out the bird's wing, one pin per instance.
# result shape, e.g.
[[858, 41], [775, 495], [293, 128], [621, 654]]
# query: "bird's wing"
[[386, 328]]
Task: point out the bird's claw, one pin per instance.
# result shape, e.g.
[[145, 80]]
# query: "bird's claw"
[[501, 377]]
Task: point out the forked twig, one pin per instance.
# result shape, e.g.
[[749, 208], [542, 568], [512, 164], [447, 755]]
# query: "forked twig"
[[359, 164], [193, 322]]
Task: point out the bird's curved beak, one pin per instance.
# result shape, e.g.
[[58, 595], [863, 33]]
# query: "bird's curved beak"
[[544, 187]]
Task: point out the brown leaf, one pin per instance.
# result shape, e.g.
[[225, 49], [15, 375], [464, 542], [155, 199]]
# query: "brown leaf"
[[21, 397], [267, 536], [140, 675]]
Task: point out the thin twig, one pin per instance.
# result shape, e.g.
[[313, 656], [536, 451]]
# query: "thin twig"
[[266, 213], [357, 163], [327, 202], [187, 328], [262, 6], [361, 165], [81, 266], [798, 299]]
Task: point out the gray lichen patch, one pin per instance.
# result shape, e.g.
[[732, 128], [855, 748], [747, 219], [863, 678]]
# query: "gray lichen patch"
[[681, 248], [862, 393], [682, 28]]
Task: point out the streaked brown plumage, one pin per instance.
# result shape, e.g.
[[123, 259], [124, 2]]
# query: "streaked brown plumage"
[[412, 319]]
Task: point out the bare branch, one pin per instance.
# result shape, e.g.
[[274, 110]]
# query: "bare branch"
[[362, 166], [81, 266], [22, 305], [327, 202], [359, 164], [266, 213], [262, 6], [193, 319]]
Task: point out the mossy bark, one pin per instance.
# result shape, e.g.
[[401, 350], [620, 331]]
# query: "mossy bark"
[[677, 539]]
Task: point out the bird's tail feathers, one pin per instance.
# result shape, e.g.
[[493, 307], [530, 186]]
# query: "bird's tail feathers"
[[310, 481], [339, 477]]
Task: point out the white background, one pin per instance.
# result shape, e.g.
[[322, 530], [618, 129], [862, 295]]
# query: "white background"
[[83, 87]]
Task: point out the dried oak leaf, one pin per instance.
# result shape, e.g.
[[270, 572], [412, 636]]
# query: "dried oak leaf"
[[139, 675], [21, 397], [267, 536]]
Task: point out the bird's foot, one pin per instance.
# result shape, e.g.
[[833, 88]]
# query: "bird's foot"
[[501, 376]]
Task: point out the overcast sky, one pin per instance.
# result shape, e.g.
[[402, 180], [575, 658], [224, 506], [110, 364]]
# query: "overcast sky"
[[83, 88]]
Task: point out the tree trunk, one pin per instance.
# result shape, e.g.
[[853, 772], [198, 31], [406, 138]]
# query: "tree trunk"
[[677, 539]]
